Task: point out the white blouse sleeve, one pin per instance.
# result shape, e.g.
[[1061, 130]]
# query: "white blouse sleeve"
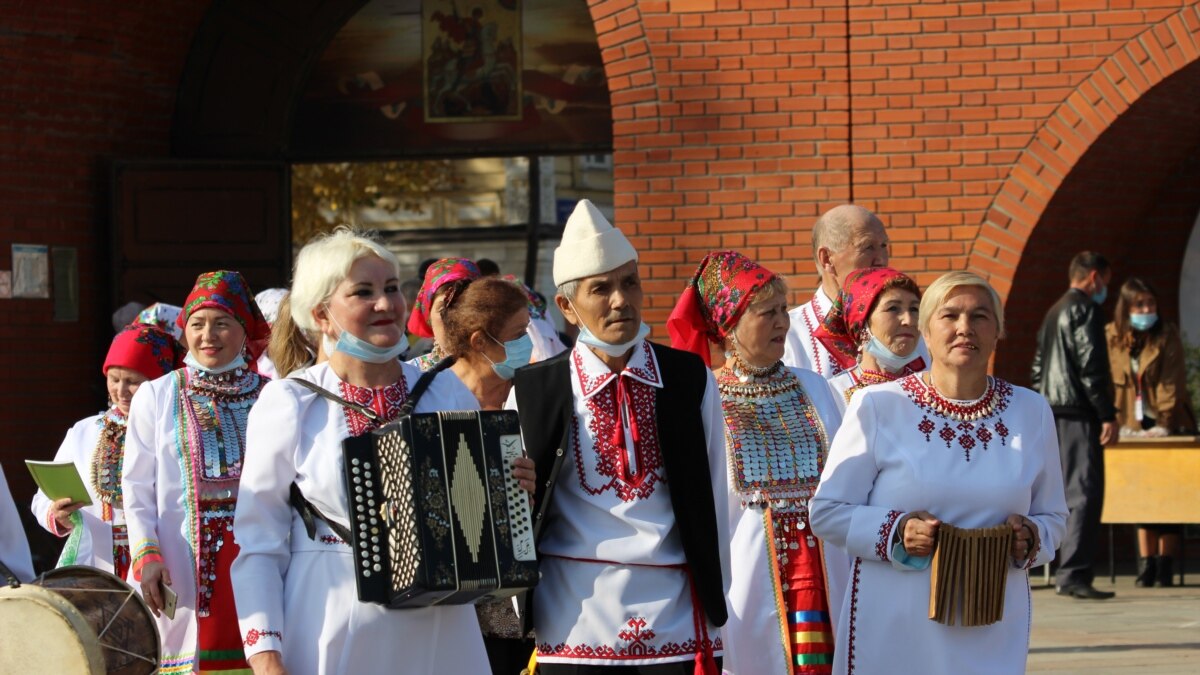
[[840, 511], [1048, 503], [714, 436], [14, 547], [140, 475], [263, 519], [67, 452]]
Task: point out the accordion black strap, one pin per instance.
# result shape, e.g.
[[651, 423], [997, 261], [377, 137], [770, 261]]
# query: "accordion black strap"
[[309, 513]]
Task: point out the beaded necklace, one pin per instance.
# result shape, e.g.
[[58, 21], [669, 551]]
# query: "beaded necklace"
[[108, 458], [861, 378], [216, 407], [776, 441], [427, 361]]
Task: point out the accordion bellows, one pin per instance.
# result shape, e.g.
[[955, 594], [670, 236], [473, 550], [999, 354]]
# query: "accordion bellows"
[[436, 517], [969, 574]]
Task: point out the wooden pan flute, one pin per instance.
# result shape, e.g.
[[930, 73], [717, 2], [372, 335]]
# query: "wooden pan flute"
[[968, 575]]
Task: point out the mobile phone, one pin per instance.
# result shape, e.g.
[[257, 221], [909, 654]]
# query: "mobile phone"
[[170, 600]]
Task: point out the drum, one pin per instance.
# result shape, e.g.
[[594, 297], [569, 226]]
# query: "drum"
[[76, 621]]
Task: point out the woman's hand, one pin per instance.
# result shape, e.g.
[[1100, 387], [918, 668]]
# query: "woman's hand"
[[61, 511], [153, 574], [267, 663], [1024, 537], [919, 533], [525, 473]]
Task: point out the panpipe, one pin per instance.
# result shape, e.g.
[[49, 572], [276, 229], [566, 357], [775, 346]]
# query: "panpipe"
[[969, 574], [435, 515]]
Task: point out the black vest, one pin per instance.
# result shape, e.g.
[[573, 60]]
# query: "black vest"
[[546, 406]]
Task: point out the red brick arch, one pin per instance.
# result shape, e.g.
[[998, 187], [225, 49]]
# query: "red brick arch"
[[1061, 141]]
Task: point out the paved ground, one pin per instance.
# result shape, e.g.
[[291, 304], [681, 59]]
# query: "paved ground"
[[1142, 630]]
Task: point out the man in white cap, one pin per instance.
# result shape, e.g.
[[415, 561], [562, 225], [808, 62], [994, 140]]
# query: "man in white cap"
[[628, 440], [845, 238]]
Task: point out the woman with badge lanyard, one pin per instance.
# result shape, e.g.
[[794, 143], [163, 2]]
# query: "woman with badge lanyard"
[[296, 596], [871, 330], [184, 451], [96, 444], [1150, 377]]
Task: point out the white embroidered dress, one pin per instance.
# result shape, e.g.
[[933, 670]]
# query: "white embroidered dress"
[[894, 455], [753, 640], [801, 348], [93, 546], [635, 607], [297, 595]]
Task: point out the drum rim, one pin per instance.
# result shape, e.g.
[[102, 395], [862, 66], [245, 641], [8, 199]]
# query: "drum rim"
[[86, 570], [92, 649]]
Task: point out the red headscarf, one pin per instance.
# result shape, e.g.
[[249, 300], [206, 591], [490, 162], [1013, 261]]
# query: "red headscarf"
[[228, 292], [714, 301], [148, 349], [844, 329], [440, 273]]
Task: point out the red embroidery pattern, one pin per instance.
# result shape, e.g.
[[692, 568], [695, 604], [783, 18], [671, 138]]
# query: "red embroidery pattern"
[[971, 421], [254, 635], [629, 483], [386, 401], [332, 540], [835, 368], [636, 633], [853, 616], [885, 528]]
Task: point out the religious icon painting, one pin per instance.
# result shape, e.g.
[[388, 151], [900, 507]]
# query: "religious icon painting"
[[472, 60]]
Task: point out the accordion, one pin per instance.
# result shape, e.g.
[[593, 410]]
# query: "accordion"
[[435, 515]]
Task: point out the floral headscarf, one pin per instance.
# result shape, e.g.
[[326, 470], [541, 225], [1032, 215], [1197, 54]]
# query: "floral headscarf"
[[146, 348], [164, 316], [537, 305], [227, 291], [440, 273], [714, 301], [844, 330]]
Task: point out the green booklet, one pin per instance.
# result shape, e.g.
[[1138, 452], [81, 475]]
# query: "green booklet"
[[58, 480]]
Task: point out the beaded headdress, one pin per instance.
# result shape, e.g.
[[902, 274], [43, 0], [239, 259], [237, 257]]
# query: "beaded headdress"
[[227, 291], [440, 273], [845, 326], [714, 300]]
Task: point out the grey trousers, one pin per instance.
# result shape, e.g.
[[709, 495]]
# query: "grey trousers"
[[1083, 477]]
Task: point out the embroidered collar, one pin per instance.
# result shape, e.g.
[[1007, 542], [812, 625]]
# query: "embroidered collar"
[[593, 375], [820, 304]]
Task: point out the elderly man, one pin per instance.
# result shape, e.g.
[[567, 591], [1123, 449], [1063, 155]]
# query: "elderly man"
[[628, 440], [845, 238]]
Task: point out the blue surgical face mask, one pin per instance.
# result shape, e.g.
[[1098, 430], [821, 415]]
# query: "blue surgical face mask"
[[238, 361], [516, 355], [1100, 296], [358, 348], [588, 338], [890, 361], [1143, 321]]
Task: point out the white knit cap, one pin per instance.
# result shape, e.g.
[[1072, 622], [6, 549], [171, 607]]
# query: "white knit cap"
[[590, 246]]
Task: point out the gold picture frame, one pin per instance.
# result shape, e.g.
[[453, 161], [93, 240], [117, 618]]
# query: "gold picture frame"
[[471, 60]]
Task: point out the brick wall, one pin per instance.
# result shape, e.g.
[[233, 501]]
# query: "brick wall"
[[736, 122], [79, 83]]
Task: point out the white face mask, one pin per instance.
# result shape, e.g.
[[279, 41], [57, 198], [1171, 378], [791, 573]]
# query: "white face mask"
[[238, 361], [886, 357], [587, 337], [358, 348]]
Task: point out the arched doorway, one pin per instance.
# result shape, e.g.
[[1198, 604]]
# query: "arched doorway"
[[1116, 168]]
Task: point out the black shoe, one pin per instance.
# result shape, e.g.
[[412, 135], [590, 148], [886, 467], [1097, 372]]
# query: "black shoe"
[[1147, 572], [1085, 592], [1166, 571]]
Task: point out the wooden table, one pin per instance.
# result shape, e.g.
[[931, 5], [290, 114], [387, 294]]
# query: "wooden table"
[[1151, 480]]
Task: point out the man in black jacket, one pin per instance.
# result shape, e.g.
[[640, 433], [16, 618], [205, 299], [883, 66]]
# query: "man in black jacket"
[[1071, 370]]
